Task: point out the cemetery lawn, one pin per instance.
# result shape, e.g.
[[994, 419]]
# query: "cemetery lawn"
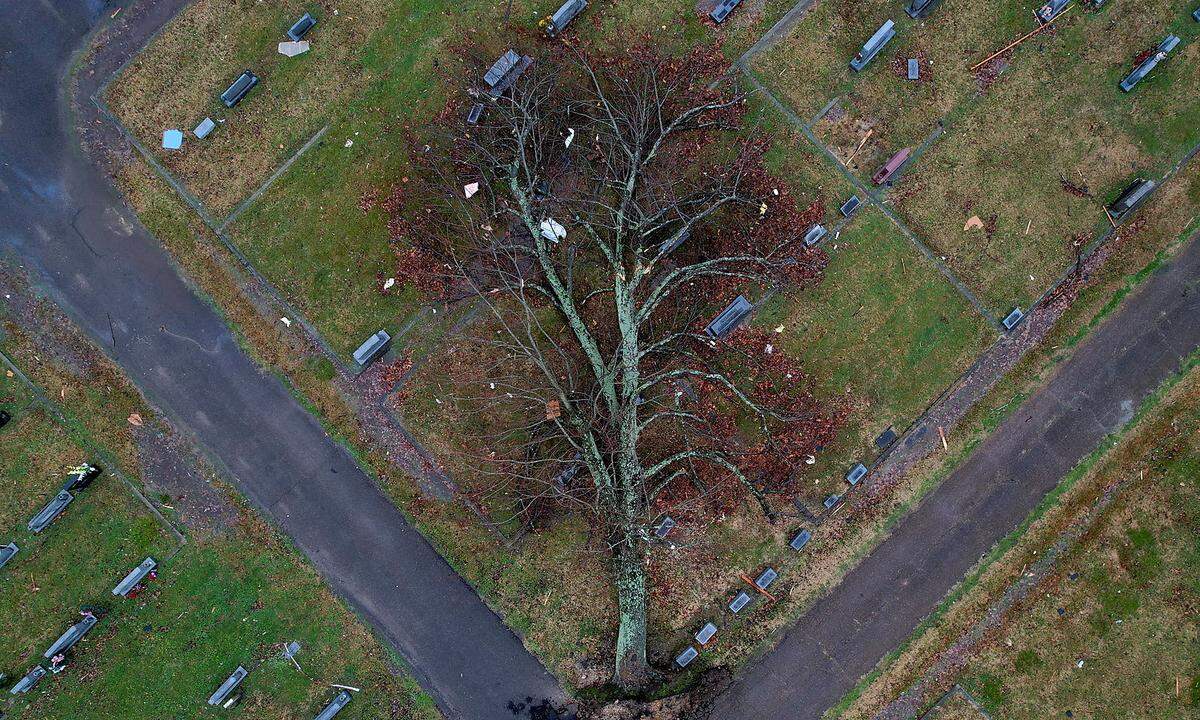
[[885, 333], [1053, 115], [229, 596], [376, 74], [1130, 615]]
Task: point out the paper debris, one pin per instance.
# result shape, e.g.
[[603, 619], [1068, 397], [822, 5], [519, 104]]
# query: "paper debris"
[[285, 321], [348, 143], [292, 49], [570, 137], [135, 419], [470, 189], [552, 230], [387, 284], [974, 223]]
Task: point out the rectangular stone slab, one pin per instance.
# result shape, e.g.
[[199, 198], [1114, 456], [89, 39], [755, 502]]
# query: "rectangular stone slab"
[[800, 540], [729, 318], [858, 472], [739, 602], [764, 580], [685, 657], [334, 707], [372, 348], [28, 682], [52, 510], [706, 633], [231, 683], [73, 635], [7, 552], [134, 577]]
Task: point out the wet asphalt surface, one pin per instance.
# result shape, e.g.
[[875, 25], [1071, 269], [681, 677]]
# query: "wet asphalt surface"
[[62, 220]]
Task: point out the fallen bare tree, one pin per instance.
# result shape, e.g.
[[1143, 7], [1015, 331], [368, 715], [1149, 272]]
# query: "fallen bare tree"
[[597, 213]]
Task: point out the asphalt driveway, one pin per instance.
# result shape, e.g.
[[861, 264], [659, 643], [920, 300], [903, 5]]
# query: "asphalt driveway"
[[880, 603], [62, 220]]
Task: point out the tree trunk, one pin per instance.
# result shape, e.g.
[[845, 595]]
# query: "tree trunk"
[[632, 670]]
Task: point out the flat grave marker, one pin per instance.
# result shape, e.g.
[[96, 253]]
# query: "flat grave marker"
[[706, 633], [873, 45], [814, 235], [765, 578], [27, 683], [8, 552], [205, 127], [1013, 318], [685, 657], [729, 318], [135, 577], [227, 688], [664, 527], [739, 602], [1141, 71], [802, 538], [857, 473], [335, 706], [52, 510], [850, 206], [832, 500]]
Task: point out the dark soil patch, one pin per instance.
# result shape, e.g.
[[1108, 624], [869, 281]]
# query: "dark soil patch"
[[182, 481]]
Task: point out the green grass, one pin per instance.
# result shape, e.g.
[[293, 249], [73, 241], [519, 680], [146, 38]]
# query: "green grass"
[[1127, 616], [1003, 159], [225, 598], [884, 332]]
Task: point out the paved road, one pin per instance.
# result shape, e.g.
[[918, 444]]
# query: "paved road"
[[879, 604], [70, 228]]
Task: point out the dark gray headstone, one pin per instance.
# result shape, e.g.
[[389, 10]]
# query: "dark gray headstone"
[[850, 206], [664, 527], [1131, 198], [1196, 15], [722, 10], [873, 45], [135, 576], [885, 439], [562, 17], [706, 633], [7, 552], [504, 72], [73, 635], [914, 69], [52, 510], [673, 242], [372, 348], [739, 602], [1141, 71], [729, 318], [685, 657], [1013, 318], [5, 418], [301, 27], [920, 8], [858, 472], [814, 235], [28, 682], [474, 114], [802, 538], [226, 689], [764, 580], [239, 89], [81, 476], [341, 700]]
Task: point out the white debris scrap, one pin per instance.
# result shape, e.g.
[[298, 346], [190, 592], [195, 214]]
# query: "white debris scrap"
[[292, 49], [553, 230], [570, 137], [470, 189], [285, 321], [387, 284]]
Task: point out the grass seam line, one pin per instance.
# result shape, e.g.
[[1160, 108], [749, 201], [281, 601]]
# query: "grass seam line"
[[872, 197], [245, 204]]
